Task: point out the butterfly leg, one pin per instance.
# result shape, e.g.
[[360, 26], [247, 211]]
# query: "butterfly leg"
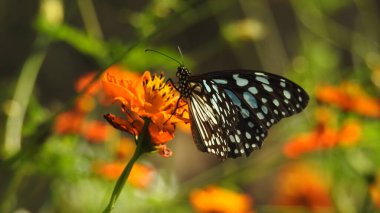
[[175, 109], [169, 80]]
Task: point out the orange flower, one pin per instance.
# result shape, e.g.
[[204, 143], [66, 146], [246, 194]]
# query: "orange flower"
[[323, 137], [125, 148], [350, 133], [301, 185], [141, 175], [349, 96], [213, 199], [86, 102], [95, 131], [85, 80], [323, 115], [367, 106], [185, 127], [68, 122], [74, 121], [333, 95], [144, 97]]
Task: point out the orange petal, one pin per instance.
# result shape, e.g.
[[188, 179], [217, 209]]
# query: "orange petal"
[[160, 136], [185, 127], [117, 83], [123, 125]]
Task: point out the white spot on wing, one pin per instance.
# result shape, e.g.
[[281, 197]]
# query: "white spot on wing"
[[276, 103], [287, 94], [260, 115], [264, 109], [206, 86], [248, 97], [253, 90], [267, 88], [232, 138], [262, 80], [247, 135], [220, 81], [241, 82]]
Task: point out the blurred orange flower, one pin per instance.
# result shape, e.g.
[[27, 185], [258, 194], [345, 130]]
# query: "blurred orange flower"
[[300, 185], [85, 80], [95, 131], [214, 199], [141, 175], [125, 148], [86, 102], [144, 97], [350, 96], [68, 122], [74, 121], [323, 137]]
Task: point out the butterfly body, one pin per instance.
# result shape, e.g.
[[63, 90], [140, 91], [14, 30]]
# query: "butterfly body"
[[232, 111]]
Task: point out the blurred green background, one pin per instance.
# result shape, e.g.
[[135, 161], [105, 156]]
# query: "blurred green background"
[[47, 46]]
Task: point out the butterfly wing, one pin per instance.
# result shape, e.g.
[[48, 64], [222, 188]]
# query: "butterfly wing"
[[261, 99], [210, 123]]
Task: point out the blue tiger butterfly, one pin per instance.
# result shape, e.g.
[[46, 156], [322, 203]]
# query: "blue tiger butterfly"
[[231, 111]]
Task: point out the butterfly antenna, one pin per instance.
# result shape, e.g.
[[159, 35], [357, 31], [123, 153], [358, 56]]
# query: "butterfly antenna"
[[180, 52], [163, 54]]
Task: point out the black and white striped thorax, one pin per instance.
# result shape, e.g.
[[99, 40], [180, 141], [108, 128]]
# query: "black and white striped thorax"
[[184, 87], [232, 111]]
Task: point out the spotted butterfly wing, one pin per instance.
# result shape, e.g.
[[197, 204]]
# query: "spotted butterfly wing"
[[210, 121], [231, 111]]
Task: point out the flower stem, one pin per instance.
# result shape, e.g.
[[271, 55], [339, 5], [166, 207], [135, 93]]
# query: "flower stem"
[[140, 149]]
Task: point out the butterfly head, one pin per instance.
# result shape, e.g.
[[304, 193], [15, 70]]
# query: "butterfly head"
[[182, 72]]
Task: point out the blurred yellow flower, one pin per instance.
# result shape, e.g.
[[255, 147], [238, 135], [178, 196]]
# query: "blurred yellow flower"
[[245, 30]]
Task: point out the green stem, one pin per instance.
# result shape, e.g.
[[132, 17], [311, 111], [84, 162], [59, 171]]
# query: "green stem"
[[20, 101], [90, 19], [140, 149]]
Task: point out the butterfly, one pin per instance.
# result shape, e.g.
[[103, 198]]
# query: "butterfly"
[[231, 111]]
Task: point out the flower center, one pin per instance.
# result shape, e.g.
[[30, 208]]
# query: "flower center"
[[159, 96]]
